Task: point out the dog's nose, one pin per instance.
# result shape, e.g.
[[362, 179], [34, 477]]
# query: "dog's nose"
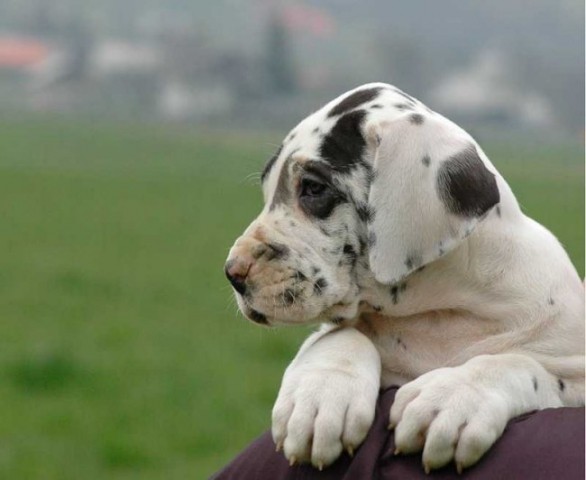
[[236, 271]]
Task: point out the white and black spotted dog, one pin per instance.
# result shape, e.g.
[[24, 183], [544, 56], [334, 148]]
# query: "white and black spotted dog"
[[387, 223]]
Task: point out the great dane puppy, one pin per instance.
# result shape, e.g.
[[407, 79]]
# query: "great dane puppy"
[[387, 224]]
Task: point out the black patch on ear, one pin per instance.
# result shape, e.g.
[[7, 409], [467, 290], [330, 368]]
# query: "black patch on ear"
[[354, 101], [269, 164], [344, 145], [466, 186], [319, 285], [282, 192], [416, 118]]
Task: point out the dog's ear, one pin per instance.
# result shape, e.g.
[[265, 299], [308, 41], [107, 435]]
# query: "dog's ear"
[[431, 186]]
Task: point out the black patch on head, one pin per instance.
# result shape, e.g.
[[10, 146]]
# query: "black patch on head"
[[376, 105], [535, 384], [277, 251], [257, 317], [561, 385], [289, 296], [344, 145], [354, 100], [498, 210], [322, 202], [269, 164], [365, 213], [466, 186], [426, 160], [416, 118], [413, 261], [282, 192], [320, 285]]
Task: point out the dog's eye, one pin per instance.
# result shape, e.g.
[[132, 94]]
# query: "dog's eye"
[[312, 188]]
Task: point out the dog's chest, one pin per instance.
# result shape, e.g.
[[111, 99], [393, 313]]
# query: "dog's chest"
[[411, 346]]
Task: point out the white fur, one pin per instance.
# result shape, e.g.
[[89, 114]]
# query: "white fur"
[[491, 329]]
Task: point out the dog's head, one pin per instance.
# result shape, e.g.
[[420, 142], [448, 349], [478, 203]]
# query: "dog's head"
[[373, 185]]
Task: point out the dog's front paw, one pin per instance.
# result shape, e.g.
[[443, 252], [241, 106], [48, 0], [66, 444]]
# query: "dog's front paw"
[[448, 414], [327, 399]]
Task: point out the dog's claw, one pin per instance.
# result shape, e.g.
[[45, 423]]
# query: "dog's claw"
[[459, 468], [320, 466], [350, 450], [426, 468], [397, 452], [391, 426], [279, 447], [292, 461]]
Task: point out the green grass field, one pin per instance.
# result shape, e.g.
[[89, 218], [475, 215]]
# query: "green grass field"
[[122, 354]]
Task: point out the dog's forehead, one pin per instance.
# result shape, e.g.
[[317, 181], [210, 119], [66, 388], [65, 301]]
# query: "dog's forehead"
[[332, 133]]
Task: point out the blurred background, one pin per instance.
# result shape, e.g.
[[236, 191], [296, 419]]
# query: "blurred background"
[[131, 137]]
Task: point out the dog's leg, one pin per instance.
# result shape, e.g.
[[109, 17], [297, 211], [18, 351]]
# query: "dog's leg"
[[457, 413], [327, 398]]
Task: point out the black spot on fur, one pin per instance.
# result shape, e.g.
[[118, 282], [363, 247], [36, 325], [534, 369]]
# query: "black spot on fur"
[[269, 164], [277, 251], [377, 308], [343, 147], [289, 296], [413, 261], [292, 136], [426, 160], [350, 253], [376, 105], [416, 118], [466, 186], [561, 385], [354, 100], [257, 317], [370, 175], [401, 344], [403, 106], [371, 239], [551, 301], [535, 384], [365, 213], [337, 320], [315, 270], [320, 285], [396, 290], [498, 211], [315, 130], [300, 276]]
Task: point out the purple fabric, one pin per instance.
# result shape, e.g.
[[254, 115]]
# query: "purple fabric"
[[543, 445]]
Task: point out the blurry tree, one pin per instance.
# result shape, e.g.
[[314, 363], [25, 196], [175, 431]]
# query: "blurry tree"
[[279, 62]]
